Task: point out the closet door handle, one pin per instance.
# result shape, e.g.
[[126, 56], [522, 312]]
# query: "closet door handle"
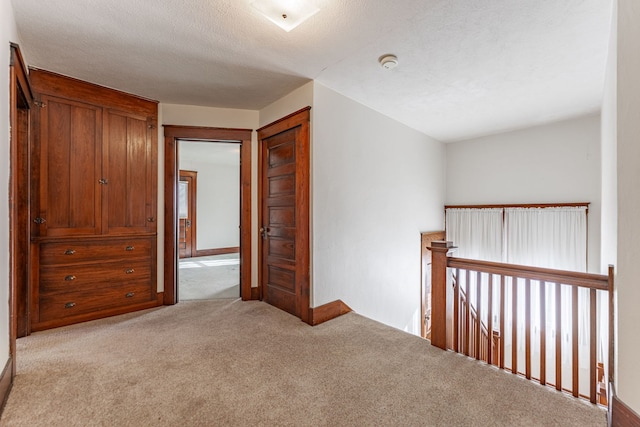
[[129, 271], [129, 294], [69, 252], [70, 305], [129, 248], [70, 278]]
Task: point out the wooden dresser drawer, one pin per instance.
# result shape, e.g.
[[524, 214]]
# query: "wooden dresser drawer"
[[68, 278], [73, 252], [87, 300]]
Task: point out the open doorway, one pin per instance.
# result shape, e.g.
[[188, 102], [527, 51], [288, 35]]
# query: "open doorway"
[[174, 137], [208, 220]]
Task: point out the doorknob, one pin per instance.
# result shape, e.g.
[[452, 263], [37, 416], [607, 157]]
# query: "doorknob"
[[264, 231], [187, 223]]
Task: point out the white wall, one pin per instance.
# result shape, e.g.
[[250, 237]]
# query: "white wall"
[[376, 185], [218, 198], [609, 191], [8, 33], [191, 115], [627, 280], [554, 163]]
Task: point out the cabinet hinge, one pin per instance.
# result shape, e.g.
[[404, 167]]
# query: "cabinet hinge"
[[152, 126], [40, 104]]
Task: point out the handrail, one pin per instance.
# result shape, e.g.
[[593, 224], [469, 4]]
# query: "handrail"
[[585, 280]]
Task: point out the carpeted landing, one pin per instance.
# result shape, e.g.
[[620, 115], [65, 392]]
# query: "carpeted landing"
[[227, 362]]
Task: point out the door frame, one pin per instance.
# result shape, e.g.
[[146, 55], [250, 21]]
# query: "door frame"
[[20, 98], [172, 134], [300, 118], [192, 202]]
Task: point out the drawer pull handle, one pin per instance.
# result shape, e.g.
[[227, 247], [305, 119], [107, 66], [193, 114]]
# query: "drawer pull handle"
[[129, 294], [129, 271], [70, 278], [69, 252], [70, 305], [129, 248]]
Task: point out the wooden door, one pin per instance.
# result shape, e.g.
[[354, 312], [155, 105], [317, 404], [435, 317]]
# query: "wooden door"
[[284, 174], [70, 141], [187, 214], [129, 193]]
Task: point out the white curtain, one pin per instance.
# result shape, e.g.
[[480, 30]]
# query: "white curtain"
[[549, 238], [476, 232]]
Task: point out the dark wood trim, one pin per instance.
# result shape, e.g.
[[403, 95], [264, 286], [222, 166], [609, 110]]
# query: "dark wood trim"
[[16, 60], [6, 382], [193, 208], [425, 253], [172, 134], [302, 119], [48, 83], [327, 312], [620, 415], [585, 280], [218, 251], [612, 320], [282, 122], [439, 251], [20, 104]]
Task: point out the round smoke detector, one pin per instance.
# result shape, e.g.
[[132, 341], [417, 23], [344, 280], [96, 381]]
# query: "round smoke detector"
[[388, 62]]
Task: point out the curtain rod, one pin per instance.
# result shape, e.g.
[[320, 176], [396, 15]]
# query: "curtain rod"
[[528, 205]]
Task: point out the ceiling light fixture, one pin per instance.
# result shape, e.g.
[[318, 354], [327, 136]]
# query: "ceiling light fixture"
[[388, 62], [287, 14]]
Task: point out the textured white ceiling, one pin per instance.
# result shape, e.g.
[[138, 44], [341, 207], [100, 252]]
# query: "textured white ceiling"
[[467, 67]]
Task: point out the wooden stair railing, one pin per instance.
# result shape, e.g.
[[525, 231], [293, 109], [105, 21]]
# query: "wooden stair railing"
[[471, 337]]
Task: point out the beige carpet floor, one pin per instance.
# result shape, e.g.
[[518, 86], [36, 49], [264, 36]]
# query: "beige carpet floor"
[[227, 362], [209, 277]]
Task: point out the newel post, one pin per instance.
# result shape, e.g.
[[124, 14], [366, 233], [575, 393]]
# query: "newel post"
[[439, 251]]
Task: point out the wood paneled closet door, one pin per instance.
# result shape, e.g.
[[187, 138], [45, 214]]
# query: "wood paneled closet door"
[[128, 167], [70, 168]]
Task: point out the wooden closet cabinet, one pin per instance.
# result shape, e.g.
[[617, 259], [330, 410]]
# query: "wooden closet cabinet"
[[94, 201]]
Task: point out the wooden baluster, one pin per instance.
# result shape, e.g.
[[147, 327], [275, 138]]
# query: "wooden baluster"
[[558, 337], [574, 324], [502, 309], [456, 311], [478, 324], [592, 346], [514, 325], [490, 322], [467, 312], [527, 332], [543, 333]]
